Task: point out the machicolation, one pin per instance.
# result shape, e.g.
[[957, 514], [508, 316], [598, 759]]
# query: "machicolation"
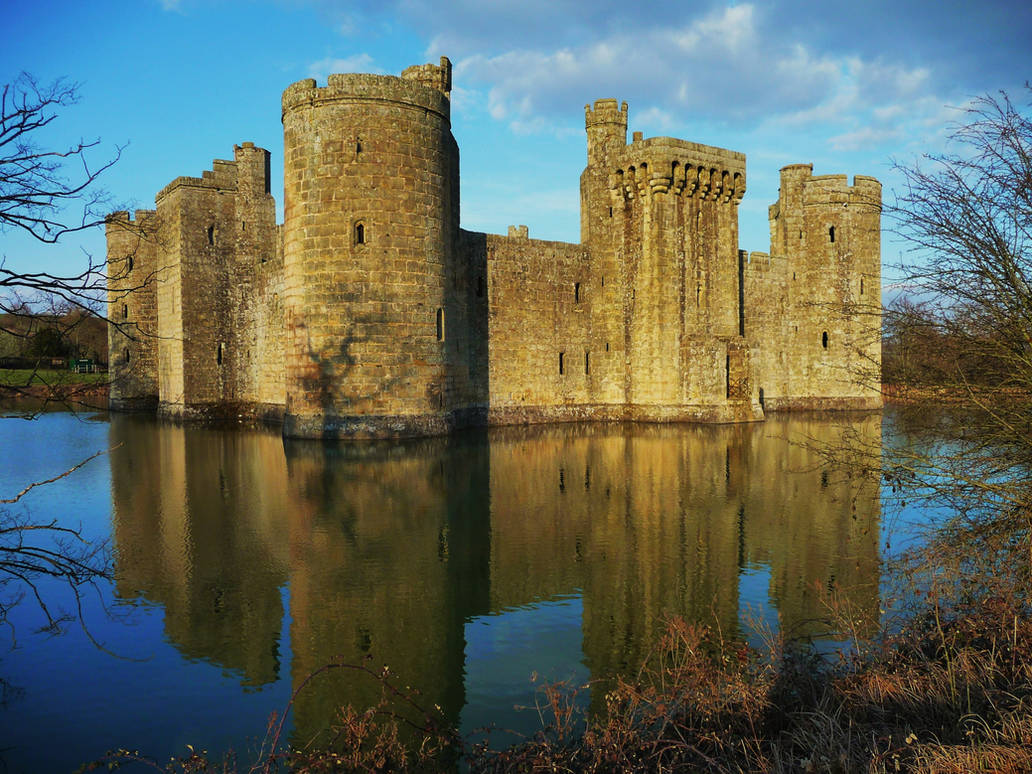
[[369, 312]]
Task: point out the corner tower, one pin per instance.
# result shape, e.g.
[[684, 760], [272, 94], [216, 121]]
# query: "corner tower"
[[371, 213]]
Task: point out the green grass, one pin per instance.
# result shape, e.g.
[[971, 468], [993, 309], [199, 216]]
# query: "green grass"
[[22, 377]]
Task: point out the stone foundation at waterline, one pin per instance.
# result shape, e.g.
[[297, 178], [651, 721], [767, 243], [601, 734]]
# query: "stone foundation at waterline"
[[370, 313]]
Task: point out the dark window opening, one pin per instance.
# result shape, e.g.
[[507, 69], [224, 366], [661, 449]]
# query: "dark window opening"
[[211, 235], [587, 364], [861, 286], [440, 325], [358, 145], [698, 294], [480, 287], [727, 376], [562, 480], [125, 354], [793, 275], [576, 292], [607, 346], [800, 233], [762, 405], [360, 235], [125, 311], [603, 280], [610, 212], [562, 356], [243, 225], [824, 339], [219, 353], [831, 233], [129, 262]]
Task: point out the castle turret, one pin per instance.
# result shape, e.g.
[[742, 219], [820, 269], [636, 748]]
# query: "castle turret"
[[606, 125], [132, 309], [370, 225], [826, 254]]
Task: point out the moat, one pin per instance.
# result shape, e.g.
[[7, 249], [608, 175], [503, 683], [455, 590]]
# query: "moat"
[[467, 564]]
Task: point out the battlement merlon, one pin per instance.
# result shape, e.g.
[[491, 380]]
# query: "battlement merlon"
[[357, 88], [662, 164], [432, 76]]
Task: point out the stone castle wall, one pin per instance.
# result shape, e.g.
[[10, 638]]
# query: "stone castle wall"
[[370, 313]]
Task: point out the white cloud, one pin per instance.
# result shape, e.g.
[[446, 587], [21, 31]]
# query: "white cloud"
[[171, 5], [357, 63]]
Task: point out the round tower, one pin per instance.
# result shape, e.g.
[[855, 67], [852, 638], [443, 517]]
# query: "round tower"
[[370, 225]]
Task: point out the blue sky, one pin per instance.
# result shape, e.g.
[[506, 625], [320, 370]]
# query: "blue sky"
[[847, 86]]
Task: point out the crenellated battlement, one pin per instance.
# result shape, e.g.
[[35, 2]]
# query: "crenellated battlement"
[[519, 232], [138, 217], [605, 111], [426, 87], [437, 77], [665, 164]]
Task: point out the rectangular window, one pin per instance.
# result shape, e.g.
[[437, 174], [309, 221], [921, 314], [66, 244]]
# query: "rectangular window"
[[562, 356], [440, 325], [587, 362]]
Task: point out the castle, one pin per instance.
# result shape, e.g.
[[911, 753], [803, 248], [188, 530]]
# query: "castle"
[[369, 312]]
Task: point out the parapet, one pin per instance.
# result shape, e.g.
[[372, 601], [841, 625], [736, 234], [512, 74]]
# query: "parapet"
[[605, 111], [221, 176], [662, 164], [431, 76], [139, 217], [425, 87], [519, 232]]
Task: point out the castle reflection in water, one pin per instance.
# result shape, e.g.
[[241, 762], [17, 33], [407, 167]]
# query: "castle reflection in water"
[[389, 549]]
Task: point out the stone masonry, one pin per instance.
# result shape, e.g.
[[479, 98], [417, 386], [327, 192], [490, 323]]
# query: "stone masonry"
[[370, 313]]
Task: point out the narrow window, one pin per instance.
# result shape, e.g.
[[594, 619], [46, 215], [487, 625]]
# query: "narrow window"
[[727, 376], [576, 292], [480, 287], [831, 233], [218, 353], [698, 294], [561, 357], [358, 145], [587, 363], [800, 233], [610, 212], [607, 346], [440, 325], [360, 235], [129, 261], [824, 339], [761, 398], [211, 235], [861, 286], [562, 480], [125, 311], [603, 280], [125, 352]]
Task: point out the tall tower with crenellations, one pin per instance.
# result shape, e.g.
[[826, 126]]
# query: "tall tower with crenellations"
[[660, 217], [814, 303], [371, 216], [133, 272]]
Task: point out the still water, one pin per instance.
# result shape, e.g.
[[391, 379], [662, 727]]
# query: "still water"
[[242, 563]]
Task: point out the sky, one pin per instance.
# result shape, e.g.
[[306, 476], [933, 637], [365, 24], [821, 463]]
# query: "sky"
[[851, 87]]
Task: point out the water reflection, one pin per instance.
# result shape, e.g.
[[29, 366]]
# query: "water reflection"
[[391, 550]]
